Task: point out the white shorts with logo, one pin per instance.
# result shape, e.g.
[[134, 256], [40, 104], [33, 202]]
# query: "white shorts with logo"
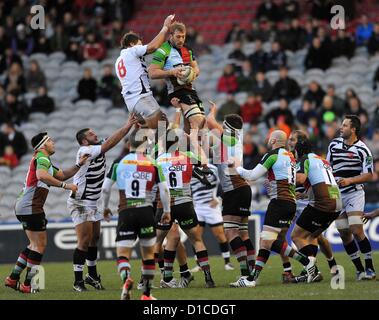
[[208, 215], [146, 106], [353, 201], [81, 213]]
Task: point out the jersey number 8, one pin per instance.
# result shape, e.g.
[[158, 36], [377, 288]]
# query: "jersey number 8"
[[121, 69]]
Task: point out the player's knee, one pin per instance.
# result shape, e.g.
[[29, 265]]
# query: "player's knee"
[[357, 231], [345, 235]]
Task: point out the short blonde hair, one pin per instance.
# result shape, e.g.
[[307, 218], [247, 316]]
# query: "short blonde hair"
[[177, 26]]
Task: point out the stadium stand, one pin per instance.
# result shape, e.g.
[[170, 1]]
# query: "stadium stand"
[[212, 19]]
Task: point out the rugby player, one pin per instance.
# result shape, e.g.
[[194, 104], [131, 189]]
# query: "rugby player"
[[352, 165], [136, 176], [325, 201], [280, 165], [177, 168], [131, 71], [83, 204], [42, 174], [236, 196]]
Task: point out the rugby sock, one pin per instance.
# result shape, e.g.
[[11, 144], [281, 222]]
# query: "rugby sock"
[[262, 258], [159, 260], [282, 248], [352, 250], [251, 254], [91, 261], [365, 248], [20, 264], [240, 252], [184, 271], [309, 250], [33, 260], [123, 267], [224, 247], [148, 270], [202, 258], [169, 258], [287, 267], [331, 262], [79, 260]]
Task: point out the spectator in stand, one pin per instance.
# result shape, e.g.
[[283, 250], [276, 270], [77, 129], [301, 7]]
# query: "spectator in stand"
[[245, 79], [42, 45], [251, 155], [373, 144], [281, 113], [237, 53], [8, 59], [259, 57], [321, 9], [363, 31], [108, 85], [289, 9], [200, 46], [15, 139], [338, 103], [87, 86], [326, 113], [59, 41], [22, 42], [306, 112], [350, 93], [276, 58], [355, 107], [81, 35], [292, 37], [325, 39], [251, 110], [73, 52], [343, 45], [9, 158], [255, 32], [35, 77], [235, 34], [42, 103], [373, 42], [230, 106], [70, 26], [93, 49], [315, 94], [314, 131], [262, 87], [286, 87], [191, 36], [376, 79], [15, 80], [375, 117], [268, 10], [309, 32], [4, 41], [228, 81], [4, 114], [20, 11], [331, 132], [318, 56]]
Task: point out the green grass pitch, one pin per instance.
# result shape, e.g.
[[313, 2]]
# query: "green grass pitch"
[[59, 279]]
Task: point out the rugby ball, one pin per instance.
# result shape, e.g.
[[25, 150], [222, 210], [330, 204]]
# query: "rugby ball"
[[187, 76]]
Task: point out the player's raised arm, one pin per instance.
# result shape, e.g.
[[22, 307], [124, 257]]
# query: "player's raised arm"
[[65, 174], [161, 36], [211, 118], [119, 134]]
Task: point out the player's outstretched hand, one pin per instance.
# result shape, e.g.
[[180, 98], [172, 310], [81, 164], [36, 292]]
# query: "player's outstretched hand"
[[177, 72], [166, 218], [167, 22], [344, 182], [213, 108], [370, 215], [107, 213], [83, 159], [72, 187], [132, 120]]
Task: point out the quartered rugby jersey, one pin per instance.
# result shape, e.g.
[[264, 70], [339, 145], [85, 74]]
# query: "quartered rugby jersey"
[[324, 194], [228, 147], [281, 166], [131, 70], [34, 193], [168, 57], [177, 169], [136, 176], [90, 176], [204, 194], [349, 161]]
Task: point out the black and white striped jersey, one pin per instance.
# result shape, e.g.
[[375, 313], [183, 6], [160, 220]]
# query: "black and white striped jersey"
[[90, 176], [349, 161], [203, 194]]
